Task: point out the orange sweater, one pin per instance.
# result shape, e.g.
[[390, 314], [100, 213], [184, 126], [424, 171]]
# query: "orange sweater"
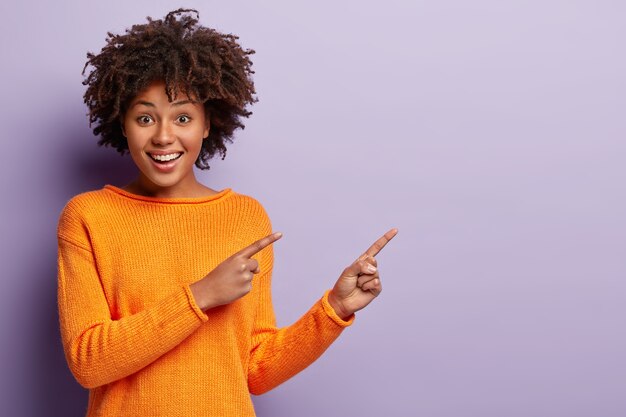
[[131, 330]]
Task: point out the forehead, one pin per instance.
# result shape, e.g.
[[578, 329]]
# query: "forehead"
[[156, 93]]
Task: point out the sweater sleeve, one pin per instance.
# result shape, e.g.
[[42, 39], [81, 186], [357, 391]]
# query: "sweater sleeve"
[[98, 349], [279, 353]]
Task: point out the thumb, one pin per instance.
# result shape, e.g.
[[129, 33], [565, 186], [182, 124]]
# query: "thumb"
[[359, 266]]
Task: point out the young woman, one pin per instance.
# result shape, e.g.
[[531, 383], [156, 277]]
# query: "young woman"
[[164, 285]]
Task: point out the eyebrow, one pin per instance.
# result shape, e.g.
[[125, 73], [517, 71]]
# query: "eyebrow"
[[176, 103]]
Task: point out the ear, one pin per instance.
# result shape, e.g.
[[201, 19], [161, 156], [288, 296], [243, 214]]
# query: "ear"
[[207, 128], [122, 126]]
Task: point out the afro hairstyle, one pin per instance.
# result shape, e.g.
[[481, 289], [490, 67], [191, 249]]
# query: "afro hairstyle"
[[190, 59]]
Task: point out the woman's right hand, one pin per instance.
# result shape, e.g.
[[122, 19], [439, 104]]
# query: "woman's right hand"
[[231, 279]]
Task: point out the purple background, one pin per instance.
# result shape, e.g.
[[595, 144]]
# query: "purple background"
[[491, 133]]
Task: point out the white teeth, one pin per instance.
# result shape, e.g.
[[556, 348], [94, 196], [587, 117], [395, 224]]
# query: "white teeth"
[[165, 158]]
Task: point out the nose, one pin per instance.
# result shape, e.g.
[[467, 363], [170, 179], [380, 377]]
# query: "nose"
[[164, 135]]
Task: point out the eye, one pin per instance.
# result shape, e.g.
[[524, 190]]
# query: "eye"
[[184, 119], [144, 120]]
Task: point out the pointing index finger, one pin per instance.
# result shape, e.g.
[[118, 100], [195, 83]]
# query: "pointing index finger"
[[259, 245], [379, 244]]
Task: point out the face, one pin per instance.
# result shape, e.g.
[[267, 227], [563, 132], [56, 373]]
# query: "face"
[[164, 140]]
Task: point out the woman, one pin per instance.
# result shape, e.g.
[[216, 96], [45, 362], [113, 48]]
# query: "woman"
[[164, 284]]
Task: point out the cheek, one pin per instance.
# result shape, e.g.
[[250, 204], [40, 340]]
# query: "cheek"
[[195, 141], [135, 137], [135, 150], [132, 142], [195, 147]]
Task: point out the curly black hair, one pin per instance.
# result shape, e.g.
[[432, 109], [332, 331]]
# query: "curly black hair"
[[189, 58]]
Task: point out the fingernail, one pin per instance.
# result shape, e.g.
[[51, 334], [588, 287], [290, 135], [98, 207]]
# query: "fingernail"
[[371, 268]]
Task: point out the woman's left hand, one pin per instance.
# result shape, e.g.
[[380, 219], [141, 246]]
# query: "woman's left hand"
[[359, 283]]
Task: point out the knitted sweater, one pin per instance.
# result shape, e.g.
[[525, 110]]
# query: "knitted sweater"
[[131, 330]]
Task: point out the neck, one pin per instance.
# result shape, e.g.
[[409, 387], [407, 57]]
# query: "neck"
[[191, 188]]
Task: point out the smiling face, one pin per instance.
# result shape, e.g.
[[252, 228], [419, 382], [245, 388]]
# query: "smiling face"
[[164, 139]]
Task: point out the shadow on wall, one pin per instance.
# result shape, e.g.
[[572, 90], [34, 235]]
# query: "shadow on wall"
[[80, 166]]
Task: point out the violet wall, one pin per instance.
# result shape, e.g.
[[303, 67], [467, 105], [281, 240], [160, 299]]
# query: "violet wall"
[[491, 133]]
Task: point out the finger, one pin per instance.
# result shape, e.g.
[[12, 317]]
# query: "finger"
[[374, 286], [259, 245], [370, 260], [367, 274], [253, 266], [365, 278], [359, 267], [379, 244]]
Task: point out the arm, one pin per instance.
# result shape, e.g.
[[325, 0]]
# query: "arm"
[[278, 354], [100, 350]]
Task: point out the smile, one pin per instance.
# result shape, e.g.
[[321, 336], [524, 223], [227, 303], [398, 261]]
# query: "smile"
[[165, 158]]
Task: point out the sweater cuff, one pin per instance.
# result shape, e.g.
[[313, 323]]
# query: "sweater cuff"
[[330, 311], [192, 302]]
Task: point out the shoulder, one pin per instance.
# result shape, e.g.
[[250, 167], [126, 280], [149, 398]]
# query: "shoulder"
[[247, 202], [74, 216], [253, 210], [85, 203]]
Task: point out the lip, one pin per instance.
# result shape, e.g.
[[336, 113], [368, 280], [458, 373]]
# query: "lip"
[[165, 167], [163, 152]]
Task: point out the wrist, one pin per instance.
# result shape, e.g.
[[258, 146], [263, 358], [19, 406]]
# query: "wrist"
[[200, 296], [338, 307]]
